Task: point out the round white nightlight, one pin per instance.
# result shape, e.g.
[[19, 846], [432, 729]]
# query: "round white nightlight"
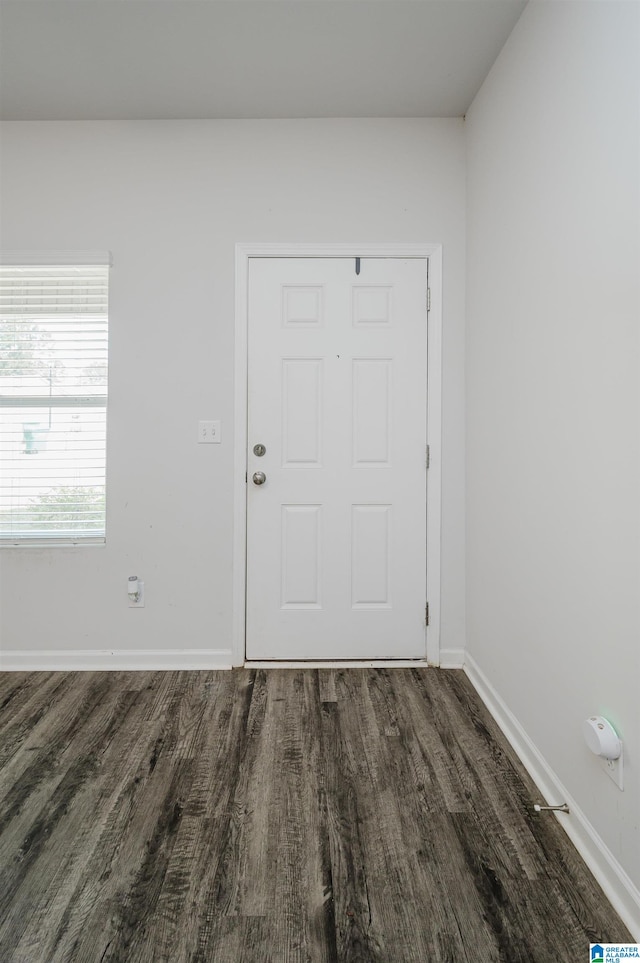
[[601, 737]]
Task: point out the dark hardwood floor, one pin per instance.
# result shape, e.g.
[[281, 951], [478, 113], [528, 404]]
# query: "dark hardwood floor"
[[280, 816]]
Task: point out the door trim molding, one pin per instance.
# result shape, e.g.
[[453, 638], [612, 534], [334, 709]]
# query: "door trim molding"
[[430, 252]]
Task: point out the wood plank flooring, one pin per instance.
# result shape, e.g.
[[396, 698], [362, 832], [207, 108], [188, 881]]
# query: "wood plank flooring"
[[278, 816]]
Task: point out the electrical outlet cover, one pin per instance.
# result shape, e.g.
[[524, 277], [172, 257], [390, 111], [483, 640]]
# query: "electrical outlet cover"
[[139, 604], [614, 769]]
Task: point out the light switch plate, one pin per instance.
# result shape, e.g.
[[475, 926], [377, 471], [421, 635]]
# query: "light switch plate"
[[209, 433]]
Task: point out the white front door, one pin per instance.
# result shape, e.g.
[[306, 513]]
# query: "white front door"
[[337, 395]]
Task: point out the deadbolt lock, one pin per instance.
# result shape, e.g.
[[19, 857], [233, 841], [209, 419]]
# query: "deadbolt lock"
[[259, 450]]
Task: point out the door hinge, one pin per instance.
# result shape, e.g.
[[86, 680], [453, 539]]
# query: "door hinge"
[[428, 299], [426, 614], [427, 456]]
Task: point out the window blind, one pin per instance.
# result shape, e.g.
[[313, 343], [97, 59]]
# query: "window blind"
[[53, 402]]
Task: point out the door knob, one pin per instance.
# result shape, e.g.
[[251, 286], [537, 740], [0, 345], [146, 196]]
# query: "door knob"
[[259, 478]]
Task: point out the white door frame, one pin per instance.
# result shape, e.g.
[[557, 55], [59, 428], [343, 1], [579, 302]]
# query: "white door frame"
[[432, 252]]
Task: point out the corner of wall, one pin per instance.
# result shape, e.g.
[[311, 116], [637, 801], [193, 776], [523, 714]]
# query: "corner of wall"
[[620, 890]]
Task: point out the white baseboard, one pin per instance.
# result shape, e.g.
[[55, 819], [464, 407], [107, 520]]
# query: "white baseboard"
[[619, 888], [452, 658], [98, 660], [159, 660]]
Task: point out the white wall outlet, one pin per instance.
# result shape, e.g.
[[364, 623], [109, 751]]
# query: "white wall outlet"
[[613, 768], [139, 602], [209, 433]]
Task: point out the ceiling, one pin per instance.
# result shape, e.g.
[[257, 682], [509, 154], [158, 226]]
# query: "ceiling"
[[188, 59]]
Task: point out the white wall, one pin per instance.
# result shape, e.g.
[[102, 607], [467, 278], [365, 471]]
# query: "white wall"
[[170, 200], [552, 394]]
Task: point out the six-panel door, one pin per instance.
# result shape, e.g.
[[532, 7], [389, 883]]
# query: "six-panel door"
[[336, 534]]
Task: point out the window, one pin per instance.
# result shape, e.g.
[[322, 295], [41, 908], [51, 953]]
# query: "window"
[[53, 402]]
